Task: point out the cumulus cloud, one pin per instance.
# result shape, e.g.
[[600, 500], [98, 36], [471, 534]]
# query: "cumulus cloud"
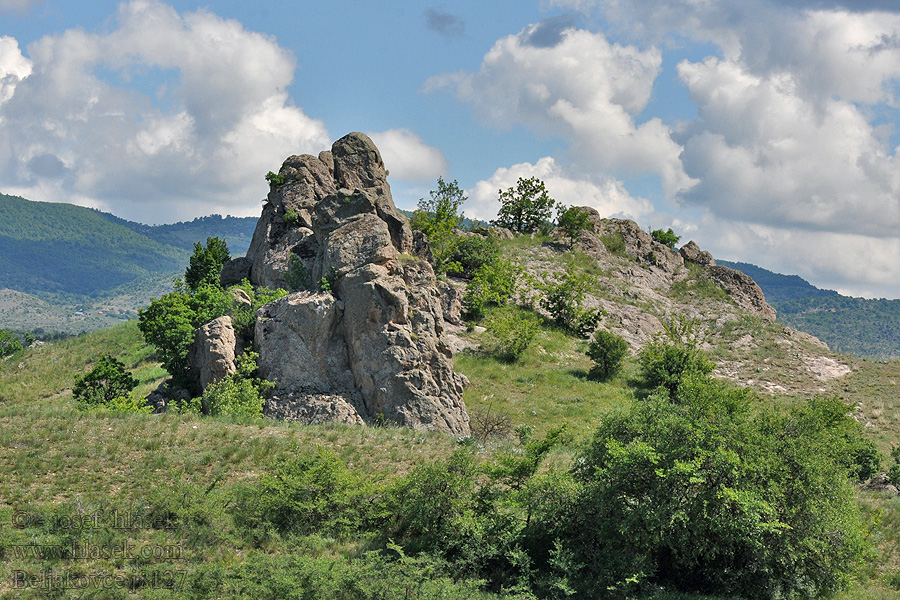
[[572, 83], [407, 157], [792, 148], [14, 67], [198, 143], [605, 194]]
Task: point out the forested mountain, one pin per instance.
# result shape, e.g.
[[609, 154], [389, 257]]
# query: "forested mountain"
[[868, 328], [68, 268]]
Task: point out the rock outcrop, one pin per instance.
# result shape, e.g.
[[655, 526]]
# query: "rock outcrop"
[[365, 341], [212, 354]]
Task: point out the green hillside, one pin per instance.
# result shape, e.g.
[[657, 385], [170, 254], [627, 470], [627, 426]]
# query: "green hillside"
[[868, 328], [236, 231], [63, 251]]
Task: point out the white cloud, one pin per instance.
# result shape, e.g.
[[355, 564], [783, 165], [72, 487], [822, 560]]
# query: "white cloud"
[[13, 67], [582, 88], [194, 113], [791, 151], [18, 6], [407, 157], [607, 195]]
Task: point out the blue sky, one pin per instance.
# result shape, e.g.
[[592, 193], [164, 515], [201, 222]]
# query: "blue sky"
[[765, 131]]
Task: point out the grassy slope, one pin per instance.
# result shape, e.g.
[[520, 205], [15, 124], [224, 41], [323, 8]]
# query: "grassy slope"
[[67, 462]]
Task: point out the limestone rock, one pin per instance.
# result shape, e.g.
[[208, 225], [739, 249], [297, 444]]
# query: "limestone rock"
[[743, 290], [235, 271], [692, 252], [373, 345], [212, 354]]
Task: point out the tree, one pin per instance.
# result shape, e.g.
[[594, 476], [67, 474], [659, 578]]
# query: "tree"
[[572, 220], [666, 238], [437, 218], [107, 381], [206, 263], [525, 207]]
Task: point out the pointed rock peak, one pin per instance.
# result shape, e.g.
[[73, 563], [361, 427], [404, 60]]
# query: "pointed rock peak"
[[357, 162]]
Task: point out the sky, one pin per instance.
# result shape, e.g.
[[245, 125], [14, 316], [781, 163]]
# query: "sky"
[[765, 131]]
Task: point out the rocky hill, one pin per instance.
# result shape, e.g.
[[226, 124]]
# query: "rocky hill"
[[371, 336]]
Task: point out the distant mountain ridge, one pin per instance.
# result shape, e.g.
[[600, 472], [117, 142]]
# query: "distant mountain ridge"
[[859, 326], [90, 264]]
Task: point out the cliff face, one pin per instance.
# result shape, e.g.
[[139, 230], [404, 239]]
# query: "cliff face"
[[365, 342]]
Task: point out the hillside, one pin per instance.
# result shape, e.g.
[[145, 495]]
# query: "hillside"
[[66, 251], [868, 328], [69, 269]]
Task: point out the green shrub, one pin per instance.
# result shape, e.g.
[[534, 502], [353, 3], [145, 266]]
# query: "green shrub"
[[240, 394], [492, 284], [9, 343], [572, 220], [309, 492], [130, 404], [291, 217], [168, 324], [106, 382], [511, 333], [275, 179], [525, 207], [666, 238], [206, 264], [670, 356], [296, 277], [471, 253], [614, 242], [564, 299], [607, 350]]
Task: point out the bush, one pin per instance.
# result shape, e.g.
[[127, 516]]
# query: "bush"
[[607, 350], [526, 207], [471, 253], [296, 277], [130, 404], [310, 492], [666, 238], [291, 217], [670, 356], [9, 343], [705, 496], [511, 332], [614, 243], [572, 220], [240, 394], [274, 179], [564, 300], [106, 382], [492, 284], [206, 264]]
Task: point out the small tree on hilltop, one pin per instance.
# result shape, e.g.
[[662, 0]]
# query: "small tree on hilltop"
[[525, 207], [572, 220], [666, 238], [206, 263], [437, 218]]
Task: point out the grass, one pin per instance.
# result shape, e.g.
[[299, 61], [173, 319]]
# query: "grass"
[[179, 475], [548, 386]]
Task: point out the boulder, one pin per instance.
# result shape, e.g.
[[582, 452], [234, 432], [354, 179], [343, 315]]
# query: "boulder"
[[692, 252], [743, 290], [212, 354], [235, 271]]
